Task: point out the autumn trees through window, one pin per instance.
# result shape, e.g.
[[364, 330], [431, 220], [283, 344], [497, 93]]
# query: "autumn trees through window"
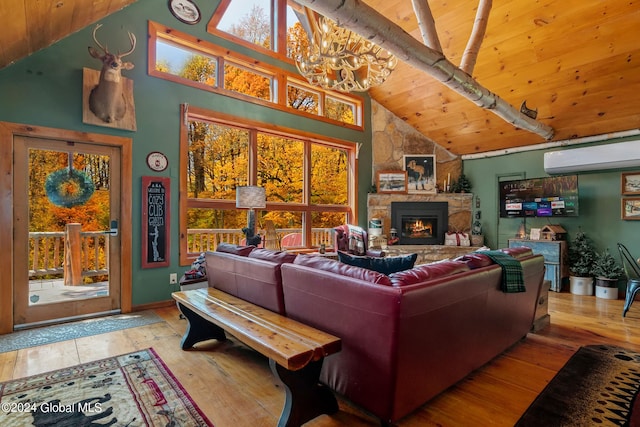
[[309, 178], [308, 181]]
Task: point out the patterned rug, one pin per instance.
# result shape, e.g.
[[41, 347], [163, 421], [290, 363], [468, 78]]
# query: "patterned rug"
[[135, 389], [597, 386]]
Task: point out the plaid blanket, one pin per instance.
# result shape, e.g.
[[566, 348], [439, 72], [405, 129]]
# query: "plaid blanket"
[[512, 278]]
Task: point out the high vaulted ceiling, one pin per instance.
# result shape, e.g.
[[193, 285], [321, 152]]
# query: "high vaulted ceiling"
[[576, 61]]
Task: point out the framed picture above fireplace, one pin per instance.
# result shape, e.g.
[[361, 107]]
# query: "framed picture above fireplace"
[[421, 173], [392, 182]]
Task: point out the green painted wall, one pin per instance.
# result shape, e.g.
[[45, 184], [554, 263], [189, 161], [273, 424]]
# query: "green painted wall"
[[599, 198], [45, 89]]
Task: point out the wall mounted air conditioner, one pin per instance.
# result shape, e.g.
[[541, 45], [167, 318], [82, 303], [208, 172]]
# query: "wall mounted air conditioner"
[[607, 156]]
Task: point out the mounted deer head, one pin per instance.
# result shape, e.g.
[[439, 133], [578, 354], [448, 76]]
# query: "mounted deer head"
[[107, 99]]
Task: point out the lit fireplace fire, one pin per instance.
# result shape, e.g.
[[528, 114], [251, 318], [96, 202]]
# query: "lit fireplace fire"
[[418, 228], [420, 223]]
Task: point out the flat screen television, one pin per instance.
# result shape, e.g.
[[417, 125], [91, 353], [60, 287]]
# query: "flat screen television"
[[555, 196]]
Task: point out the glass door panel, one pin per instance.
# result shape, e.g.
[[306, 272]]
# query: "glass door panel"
[[66, 230]]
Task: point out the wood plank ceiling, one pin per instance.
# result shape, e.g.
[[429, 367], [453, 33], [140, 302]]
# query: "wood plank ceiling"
[[576, 61]]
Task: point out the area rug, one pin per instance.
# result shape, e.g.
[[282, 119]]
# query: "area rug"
[[83, 328], [135, 389], [597, 386]]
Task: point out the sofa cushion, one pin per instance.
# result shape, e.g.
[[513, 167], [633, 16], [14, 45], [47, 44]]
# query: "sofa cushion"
[[342, 269], [518, 253], [425, 272], [386, 265], [230, 248], [279, 257], [475, 260]]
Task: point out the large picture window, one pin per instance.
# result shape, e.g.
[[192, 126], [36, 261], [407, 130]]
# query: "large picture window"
[[309, 182]]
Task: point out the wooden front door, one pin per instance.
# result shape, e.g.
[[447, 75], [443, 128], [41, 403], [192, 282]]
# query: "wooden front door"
[[66, 218]]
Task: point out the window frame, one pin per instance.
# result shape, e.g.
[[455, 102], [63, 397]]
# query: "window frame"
[[281, 77], [278, 22], [306, 208]]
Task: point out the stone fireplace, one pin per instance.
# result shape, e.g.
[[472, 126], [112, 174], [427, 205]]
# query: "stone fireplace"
[[420, 223], [458, 216]]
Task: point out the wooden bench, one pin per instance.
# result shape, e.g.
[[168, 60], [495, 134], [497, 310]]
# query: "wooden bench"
[[295, 351]]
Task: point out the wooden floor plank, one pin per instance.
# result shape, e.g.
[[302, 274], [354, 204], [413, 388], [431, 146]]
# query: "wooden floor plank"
[[234, 387], [44, 358], [7, 365]]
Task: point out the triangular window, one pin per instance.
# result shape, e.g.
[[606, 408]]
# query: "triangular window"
[[263, 25]]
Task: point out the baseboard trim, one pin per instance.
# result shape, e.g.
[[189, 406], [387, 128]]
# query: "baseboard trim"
[[153, 305]]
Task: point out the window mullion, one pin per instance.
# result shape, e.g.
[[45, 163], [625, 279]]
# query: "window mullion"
[[253, 157], [307, 193], [280, 26]]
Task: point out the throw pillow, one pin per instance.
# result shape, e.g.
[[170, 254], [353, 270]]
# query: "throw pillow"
[[356, 240], [385, 265], [355, 260]]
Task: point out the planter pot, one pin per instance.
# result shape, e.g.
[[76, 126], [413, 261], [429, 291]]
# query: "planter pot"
[[581, 285], [606, 292], [606, 288]]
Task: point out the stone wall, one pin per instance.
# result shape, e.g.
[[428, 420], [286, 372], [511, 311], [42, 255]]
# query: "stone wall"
[[392, 138], [429, 253]]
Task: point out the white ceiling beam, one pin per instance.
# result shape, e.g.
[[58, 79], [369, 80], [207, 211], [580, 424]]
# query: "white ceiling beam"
[[367, 22]]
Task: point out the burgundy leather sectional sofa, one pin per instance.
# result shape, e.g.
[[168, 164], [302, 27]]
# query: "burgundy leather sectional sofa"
[[406, 337]]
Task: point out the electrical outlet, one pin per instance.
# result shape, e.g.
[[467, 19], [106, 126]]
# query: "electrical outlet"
[[173, 278]]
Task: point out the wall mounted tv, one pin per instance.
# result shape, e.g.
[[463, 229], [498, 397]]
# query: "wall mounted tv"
[[539, 197]]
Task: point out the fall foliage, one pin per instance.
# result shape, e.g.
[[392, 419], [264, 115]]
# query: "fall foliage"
[[44, 215], [218, 154]]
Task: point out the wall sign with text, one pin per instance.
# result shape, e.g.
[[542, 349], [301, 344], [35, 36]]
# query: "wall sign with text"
[[156, 248]]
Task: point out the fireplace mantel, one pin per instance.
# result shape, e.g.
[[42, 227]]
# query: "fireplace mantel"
[[379, 206]]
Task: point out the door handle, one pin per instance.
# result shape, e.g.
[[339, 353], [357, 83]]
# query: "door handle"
[[114, 228]]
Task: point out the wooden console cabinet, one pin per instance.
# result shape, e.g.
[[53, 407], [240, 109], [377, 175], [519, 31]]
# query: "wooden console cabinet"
[[555, 258]]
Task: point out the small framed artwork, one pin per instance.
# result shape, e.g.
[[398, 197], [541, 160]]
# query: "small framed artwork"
[[630, 208], [630, 183], [392, 182], [156, 218], [421, 173]]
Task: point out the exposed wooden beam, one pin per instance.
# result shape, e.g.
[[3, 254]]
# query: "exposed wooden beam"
[[367, 22], [427, 24], [477, 34]]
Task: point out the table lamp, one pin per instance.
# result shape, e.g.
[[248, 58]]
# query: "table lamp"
[[251, 197]]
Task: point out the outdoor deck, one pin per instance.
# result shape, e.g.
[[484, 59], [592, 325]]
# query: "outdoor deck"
[[61, 262], [46, 291]]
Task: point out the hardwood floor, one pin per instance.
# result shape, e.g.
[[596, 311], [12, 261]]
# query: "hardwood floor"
[[234, 386]]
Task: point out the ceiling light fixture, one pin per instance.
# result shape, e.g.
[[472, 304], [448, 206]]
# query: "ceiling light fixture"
[[339, 59]]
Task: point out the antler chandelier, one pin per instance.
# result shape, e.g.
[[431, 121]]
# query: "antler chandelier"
[[338, 59]]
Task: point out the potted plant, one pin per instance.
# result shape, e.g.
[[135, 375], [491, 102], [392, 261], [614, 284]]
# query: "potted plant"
[[607, 272], [581, 259], [462, 185]]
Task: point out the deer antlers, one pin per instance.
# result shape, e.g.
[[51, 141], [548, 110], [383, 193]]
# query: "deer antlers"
[[132, 40]]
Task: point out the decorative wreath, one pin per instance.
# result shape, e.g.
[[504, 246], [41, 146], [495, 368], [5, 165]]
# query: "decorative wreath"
[[68, 187]]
